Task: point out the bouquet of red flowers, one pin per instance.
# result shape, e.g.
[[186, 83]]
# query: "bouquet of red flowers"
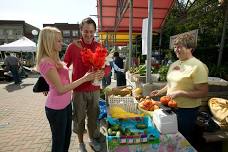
[[96, 60]]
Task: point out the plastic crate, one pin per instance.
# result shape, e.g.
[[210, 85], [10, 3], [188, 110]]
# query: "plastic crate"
[[129, 104], [150, 135]]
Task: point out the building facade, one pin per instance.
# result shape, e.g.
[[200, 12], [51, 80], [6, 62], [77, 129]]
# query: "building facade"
[[11, 30], [69, 31]]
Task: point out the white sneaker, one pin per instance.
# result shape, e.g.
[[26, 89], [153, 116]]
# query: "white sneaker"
[[82, 147], [95, 145]]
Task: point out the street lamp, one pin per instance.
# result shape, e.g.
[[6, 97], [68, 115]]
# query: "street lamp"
[[34, 33]]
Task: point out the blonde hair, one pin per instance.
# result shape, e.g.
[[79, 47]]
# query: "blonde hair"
[[46, 46]]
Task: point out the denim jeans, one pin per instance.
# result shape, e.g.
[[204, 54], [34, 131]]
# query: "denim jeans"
[[186, 118], [60, 123]]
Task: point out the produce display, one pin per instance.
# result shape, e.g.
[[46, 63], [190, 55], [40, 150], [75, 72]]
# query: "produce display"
[[148, 104], [135, 130], [141, 69], [120, 92], [137, 92], [118, 112], [167, 101], [128, 121]]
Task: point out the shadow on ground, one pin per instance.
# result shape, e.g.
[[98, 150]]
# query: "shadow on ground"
[[13, 87]]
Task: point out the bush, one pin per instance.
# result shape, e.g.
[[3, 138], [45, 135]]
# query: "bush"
[[163, 72]]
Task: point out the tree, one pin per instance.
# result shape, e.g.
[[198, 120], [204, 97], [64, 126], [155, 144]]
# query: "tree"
[[205, 15]]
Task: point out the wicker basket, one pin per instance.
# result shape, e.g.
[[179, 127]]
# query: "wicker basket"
[[129, 104]]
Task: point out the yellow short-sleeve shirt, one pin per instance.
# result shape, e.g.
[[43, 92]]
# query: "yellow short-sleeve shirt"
[[183, 75]]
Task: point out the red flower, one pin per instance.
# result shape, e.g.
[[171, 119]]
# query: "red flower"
[[94, 59]]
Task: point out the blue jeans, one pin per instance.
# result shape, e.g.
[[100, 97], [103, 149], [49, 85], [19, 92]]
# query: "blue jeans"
[[186, 118], [60, 123]]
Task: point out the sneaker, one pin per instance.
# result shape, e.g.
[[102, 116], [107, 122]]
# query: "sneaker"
[[82, 147], [95, 145]]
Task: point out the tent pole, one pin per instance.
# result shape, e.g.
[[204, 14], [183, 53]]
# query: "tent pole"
[[130, 34], [149, 41]]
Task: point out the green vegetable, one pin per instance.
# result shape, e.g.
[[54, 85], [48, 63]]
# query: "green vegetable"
[[127, 132], [115, 127], [141, 126]]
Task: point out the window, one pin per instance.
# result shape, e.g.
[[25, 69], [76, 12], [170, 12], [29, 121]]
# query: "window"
[[74, 33], [1, 32], [10, 32], [66, 33], [18, 32], [66, 41]]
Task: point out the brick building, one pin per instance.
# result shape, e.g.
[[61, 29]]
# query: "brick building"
[[11, 30]]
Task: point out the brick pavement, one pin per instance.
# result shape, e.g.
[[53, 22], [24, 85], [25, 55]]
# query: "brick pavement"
[[23, 123]]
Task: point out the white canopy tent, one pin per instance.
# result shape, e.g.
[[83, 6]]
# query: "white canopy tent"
[[22, 45]]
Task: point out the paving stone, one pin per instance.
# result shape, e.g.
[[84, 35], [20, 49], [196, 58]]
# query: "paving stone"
[[23, 123]]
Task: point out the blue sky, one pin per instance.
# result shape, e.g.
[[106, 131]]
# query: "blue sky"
[[39, 12]]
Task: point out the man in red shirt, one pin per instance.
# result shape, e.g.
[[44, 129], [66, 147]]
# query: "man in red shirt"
[[86, 96]]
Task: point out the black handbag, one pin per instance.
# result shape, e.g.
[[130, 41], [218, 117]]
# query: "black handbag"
[[206, 123], [41, 85]]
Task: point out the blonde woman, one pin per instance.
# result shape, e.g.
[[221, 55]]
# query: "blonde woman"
[[58, 104]]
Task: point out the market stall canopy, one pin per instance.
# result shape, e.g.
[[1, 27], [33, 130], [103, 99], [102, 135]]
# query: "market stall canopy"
[[122, 38], [113, 15], [22, 45]]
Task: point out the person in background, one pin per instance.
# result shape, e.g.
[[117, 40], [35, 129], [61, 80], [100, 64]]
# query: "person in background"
[[107, 80], [120, 75], [187, 83], [12, 64], [58, 103], [21, 70], [86, 96]]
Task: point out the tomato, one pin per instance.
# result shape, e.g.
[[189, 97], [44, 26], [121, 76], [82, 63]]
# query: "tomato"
[[165, 99], [172, 104]]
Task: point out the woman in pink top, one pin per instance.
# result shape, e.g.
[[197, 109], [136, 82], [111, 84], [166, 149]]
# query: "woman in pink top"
[[58, 104]]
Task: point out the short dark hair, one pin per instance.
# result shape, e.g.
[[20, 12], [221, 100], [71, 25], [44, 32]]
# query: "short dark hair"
[[88, 20], [116, 54], [7, 54]]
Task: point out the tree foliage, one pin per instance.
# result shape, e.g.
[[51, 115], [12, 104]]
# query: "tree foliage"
[[205, 15]]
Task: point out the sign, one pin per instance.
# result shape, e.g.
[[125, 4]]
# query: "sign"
[[194, 33], [144, 36]]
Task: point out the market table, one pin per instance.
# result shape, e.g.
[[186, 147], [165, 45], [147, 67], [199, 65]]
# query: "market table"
[[168, 143]]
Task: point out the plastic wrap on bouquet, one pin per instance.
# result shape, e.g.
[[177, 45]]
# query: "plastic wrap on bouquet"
[[97, 82]]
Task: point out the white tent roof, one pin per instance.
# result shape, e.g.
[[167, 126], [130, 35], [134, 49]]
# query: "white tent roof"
[[21, 45]]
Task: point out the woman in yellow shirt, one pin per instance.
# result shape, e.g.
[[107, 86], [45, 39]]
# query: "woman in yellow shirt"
[[187, 83]]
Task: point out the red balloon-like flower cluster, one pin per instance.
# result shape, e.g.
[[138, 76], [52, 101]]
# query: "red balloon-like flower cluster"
[[96, 59]]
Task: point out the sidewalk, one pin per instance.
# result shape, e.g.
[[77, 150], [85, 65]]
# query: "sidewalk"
[[23, 123]]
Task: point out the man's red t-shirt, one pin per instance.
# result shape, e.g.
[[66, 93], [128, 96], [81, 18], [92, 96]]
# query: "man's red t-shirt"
[[73, 56]]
